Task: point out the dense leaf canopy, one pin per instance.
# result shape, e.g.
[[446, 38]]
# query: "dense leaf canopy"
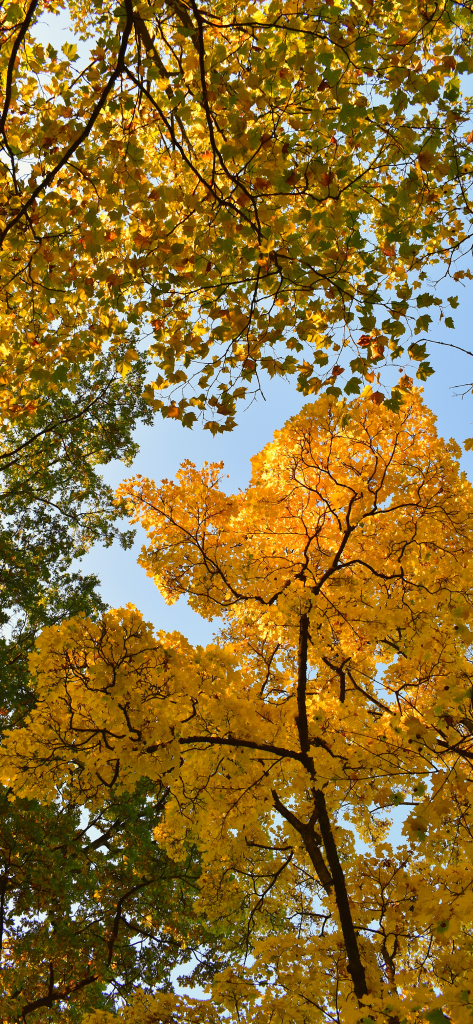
[[249, 187], [90, 909], [192, 199]]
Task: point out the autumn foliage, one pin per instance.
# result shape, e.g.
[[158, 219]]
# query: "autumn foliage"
[[249, 189], [193, 199], [318, 753]]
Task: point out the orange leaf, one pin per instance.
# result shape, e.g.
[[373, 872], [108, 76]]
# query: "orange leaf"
[[377, 397]]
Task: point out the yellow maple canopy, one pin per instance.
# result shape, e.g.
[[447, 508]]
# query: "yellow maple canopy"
[[319, 752], [242, 189]]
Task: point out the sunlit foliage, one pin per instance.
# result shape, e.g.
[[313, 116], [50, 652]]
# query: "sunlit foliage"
[[334, 703], [251, 188]]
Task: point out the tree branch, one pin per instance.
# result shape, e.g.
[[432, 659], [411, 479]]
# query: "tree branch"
[[301, 717], [233, 741], [49, 177], [355, 966], [311, 839], [11, 65], [55, 994], [49, 429]]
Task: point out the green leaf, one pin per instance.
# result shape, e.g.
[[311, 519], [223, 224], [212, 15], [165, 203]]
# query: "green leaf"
[[14, 13], [353, 387], [452, 93], [60, 373], [394, 328], [416, 351], [320, 358], [367, 322], [332, 77], [397, 798], [136, 153], [437, 1016], [424, 370], [425, 299], [423, 323], [395, 401], [449, 323], [358, 365]]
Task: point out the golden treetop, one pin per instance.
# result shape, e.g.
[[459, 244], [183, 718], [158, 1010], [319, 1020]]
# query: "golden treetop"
[[344, 498]]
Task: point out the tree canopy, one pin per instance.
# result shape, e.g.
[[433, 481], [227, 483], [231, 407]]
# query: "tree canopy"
[[335, 702], [192, 199], [251, 188], [90, 908]]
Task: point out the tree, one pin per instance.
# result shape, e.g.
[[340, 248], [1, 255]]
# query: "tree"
[[254, 188], [55, 505], [337, 692], [90, 906], [89, 909]]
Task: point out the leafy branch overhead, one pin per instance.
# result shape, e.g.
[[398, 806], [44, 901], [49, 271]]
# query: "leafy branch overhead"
[[261, 188]]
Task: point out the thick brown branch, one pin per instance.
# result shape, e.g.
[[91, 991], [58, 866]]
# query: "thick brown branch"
[[311, 841], [205, 101], [390, 963], [339, 669], [142, 31], [233, 741], [270, 748], [49, 429], [118, 915], [56, 994], [181, 12], [3, 901], [355, 965], [11, 63], [301, 718]]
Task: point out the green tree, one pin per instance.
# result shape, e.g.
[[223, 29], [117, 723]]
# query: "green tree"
[[54, 505], [92, 909]]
